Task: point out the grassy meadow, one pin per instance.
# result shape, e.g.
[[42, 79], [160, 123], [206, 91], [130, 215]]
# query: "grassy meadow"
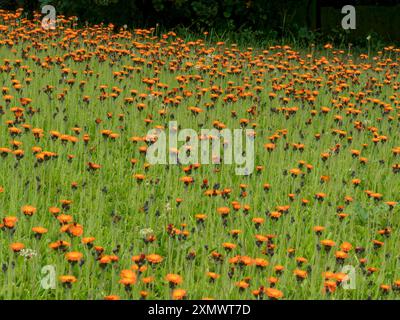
[[78, 195]]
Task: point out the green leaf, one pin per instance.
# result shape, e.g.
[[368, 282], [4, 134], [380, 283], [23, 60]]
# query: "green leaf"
[[362, 214]]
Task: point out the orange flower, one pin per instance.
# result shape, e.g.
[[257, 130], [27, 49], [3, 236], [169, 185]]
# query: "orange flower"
[[74, 229], [377, 244], [391, 204], [200, 217], [154, 258], [275, 215], [273, 281], [346, 246], [327, 243], [127, 277], [330, 286], [279, 269], [318, 229], [341, 255], [148, 280], [73, 256], [17, 246], [213, 276], [229, 246], [39, 230], [64, 218], [173, 279], [88, 240], [258, 221], [273, 294], [385, 288], [300, 274], [67, 280], [187, 180], [295, 172], [179, 294], [260, 262], [93, 166], [139, 177], [105, 260], [223, 211], [60, 245], [10, 221], [242, 285], [54, 210]]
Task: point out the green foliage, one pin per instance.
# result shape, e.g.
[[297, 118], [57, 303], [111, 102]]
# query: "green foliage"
[[361, 213], [231, 15]]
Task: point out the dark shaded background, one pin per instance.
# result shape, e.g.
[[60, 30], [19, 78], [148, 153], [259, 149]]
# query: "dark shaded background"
[[300, 19]]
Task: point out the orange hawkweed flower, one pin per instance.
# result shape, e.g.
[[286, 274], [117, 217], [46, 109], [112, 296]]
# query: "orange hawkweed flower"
[[396, 285], [223, 211], [10, 222], [60, 245], [179, 294], [213, 276], [127, 277], [301, 260], [346, 246], [154, 258], [200, 217], [273, 281], [300, 274], [148, 280], [105, 260], [258, 221], [295, 172], [318, 230], [139, 177], [73, 256], [65, 204], [64, 218], [279, 269], [93, 166], [173, 279], [385, 288], [67, 280], [275, 215], [391, 204], [17, 246], [320, 196], [273, 294], [328, 244], [242, 285], [341, 256], [260, 263], [88, 240], [229, 246], [187, 180], [377, 244], [28, 210], [39, 231], [54, 210], [330, 286]]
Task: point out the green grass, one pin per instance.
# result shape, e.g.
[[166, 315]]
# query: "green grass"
[[109, 202]]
